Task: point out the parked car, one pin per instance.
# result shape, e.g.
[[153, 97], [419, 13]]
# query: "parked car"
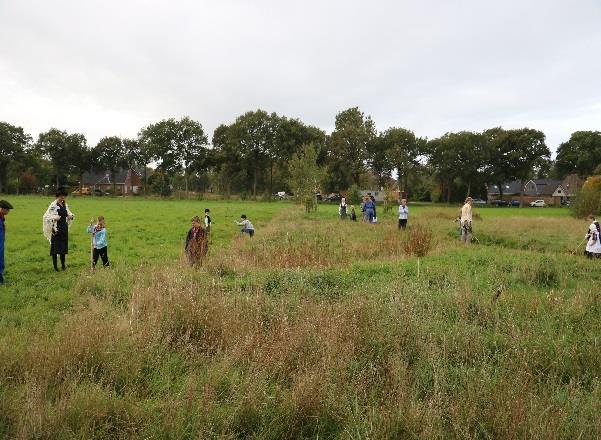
[[538, 204], [334, 197], [566, 203], [99, 192], [85, 191], [515, 203], [318, 196], [281, 195], [478, 202], [500, 202]]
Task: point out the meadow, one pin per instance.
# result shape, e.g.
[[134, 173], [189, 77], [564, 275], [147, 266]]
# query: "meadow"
[[315, 328]]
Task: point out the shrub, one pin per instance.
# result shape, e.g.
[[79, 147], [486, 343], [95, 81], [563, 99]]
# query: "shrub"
[[587, 199], [419, 241]]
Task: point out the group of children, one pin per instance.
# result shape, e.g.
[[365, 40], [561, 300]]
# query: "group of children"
[[368, 209]]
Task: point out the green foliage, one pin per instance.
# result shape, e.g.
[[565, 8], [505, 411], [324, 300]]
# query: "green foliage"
[[580, 155], [354, 195], [306, 176], [587, 201], [348, 148]]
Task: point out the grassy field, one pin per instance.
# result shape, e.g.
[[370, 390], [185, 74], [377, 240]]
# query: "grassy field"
[[314, 328]]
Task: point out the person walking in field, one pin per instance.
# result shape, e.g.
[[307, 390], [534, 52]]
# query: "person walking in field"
[[403, 214], [247, 226], [208, 220], [593, 236], [342, 209], [466, 221], [55, 225], [370, 209], [197, 245], [5, 207], [99, 242]]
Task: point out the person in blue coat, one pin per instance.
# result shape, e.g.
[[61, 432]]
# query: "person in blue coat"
[[5, 207], [100, 244]]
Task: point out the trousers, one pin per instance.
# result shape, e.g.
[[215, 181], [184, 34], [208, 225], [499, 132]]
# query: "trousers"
[[103, 254]]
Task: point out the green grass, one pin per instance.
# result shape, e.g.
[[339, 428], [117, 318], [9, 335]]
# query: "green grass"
[[314, 328], [140, 232]]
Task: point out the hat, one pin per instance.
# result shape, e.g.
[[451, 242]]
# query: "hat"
[[4, 204]]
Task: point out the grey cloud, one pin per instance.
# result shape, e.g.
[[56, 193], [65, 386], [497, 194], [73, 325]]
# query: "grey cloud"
[[432, 66]]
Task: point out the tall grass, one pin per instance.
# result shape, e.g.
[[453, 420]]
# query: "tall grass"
[[318, 331]]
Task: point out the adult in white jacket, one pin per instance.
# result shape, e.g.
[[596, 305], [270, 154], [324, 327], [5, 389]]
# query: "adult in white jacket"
[[55, 225]]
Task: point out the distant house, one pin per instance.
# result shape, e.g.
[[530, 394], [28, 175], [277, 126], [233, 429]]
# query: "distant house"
[[126, 181], [552, 191]]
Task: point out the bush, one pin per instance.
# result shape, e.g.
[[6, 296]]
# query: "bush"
[[419, 241], [586, 202]]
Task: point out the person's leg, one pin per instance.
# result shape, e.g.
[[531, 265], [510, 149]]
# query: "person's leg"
[[251, 232], [63, 267], [400, 224], [55, 261], [2, 265], [404, 224], [104, 254], [95, 255]]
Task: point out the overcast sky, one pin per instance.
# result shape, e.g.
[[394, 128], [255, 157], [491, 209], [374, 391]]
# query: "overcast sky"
[[111, 67]]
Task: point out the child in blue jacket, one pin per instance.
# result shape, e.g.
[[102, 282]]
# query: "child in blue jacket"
[[100, 245]]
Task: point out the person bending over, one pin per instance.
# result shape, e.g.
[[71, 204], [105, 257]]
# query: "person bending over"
[[247, 226]]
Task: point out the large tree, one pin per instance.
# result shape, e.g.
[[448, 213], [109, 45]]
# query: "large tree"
[[177, 145], [61, 149], [348, 148], [444, 158], [13, 144], [109, 155], [515, 155], [306, 175], [81, 156], [581, 154], [403, 151], [254, 135]]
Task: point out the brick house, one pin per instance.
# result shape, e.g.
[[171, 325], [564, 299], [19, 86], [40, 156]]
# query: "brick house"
[[552, 191], [127, 182]]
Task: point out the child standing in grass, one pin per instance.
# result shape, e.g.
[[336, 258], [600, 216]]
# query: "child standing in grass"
[[403, 214], [353, 214], [196, 245], [247, 226], [208, 220], [99, 242]]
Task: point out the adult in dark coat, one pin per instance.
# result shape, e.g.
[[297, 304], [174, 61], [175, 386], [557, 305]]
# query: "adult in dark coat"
[[57, 219], [5, 207]]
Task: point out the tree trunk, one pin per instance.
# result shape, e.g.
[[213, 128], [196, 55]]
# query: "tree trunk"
[[145, 179], [113, 176], [186, 181], [18, 183], [271, 178], [57, 180], [500, 185], [521, 193], [469, 189], [255, 184], [449, 191]]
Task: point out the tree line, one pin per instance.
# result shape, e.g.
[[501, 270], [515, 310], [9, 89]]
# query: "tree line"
[[253, 154]]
